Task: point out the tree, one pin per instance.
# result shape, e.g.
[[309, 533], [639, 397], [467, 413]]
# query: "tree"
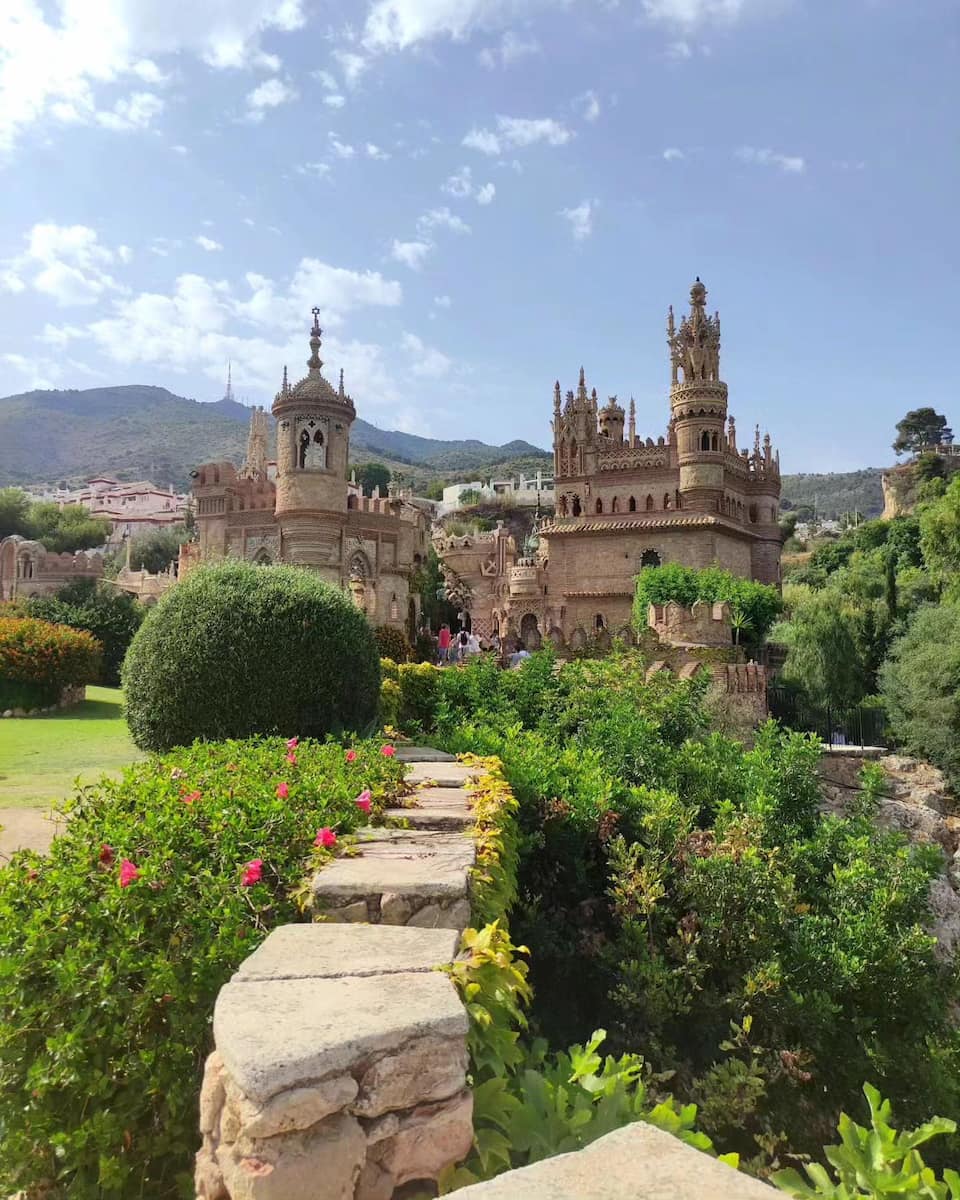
[[67, 529], [371, 475], [155, 551], [14, 508], [940, 537], [921, 427], [110, 615], [920, 683], [434, 490], [823, 655]]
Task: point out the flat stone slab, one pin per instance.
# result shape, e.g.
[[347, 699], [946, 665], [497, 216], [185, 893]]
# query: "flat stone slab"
[[409, 754], [442, 774], [405, 862], [636, 1161], [436, 808], [276, 1035], [326, 951]]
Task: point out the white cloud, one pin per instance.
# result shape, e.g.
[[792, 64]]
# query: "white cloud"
[[180, 149], [426, 361], [486, 193], [440, 218], [249, 221], [589, 105], [515, 132], [679, 49], [442, 301], [341, 149], [580, 218], [511, 48], [269, 94], [54, 65], [790, 164], [335, 100], [326, 80], [673, 154], [373, 151], [460, 184], [411, 254], [353, 65], [135, 111], [400, 24], [206, 243], [318, 169], [67, 262], [693, 13]]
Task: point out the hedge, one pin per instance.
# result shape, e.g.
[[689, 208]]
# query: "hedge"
[[236, 650], [45, 656], [113, 949]]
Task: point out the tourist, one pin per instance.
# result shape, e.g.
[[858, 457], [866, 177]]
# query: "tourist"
[[443, 645], [518, 657], [473, 645], [462, 639]]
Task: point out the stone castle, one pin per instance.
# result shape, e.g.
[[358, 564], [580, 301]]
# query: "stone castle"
[[303, 510], [624, 503]]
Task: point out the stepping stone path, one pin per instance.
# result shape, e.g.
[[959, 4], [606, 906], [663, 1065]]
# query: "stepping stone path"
[[341, 1061], [415, 876]]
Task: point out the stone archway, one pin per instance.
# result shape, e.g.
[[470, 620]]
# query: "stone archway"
[[530, 631]]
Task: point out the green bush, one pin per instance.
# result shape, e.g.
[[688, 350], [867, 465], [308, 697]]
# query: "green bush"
[[753, 606], [48, 655], [391, 643], [418, 694], [107, 991], [390, 703], [235, 650], [112, 616]]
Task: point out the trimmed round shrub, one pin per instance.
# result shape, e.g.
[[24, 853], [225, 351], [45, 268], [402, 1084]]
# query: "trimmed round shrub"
[[392, 643], [236, 650], [49, 656]]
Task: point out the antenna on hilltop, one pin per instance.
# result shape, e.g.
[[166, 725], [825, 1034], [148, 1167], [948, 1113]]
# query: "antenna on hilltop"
[[228, 394]]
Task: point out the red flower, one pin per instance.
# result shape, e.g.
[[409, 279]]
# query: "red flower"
[[363, 800], [106, 854], [282, 791], [293, 743], [325, 838], [128, 873], [252, 872], [191, 797], [292, 759], [351, 756], [388, 751]]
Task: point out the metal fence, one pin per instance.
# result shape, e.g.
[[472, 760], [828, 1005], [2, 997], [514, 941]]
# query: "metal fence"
[[855, 726]]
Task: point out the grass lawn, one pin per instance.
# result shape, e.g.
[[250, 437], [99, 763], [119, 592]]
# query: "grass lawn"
[[41, 757]]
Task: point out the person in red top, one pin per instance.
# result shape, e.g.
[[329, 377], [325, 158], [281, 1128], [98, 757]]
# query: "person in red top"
[[443, 643]]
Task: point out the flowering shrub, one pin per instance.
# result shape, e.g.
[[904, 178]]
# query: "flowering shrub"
[[234, 651], [419, 689], [113, 949], [111, 616], [391, 643], [46, 657]]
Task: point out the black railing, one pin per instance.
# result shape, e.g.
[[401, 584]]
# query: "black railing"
[[858, 725]]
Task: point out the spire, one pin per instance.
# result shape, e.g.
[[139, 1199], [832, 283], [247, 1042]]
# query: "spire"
[[695, 345], [767, 449], [732, 434], [340, 391], [315, 362], [632, 427], [756, 441], [285, 386], [556, 398]]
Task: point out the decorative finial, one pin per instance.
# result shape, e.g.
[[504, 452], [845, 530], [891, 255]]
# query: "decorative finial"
[[285, 386], [315, 362], [340, 390], [582, 380]]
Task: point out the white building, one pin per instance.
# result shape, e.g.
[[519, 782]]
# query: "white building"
[[527, 493]]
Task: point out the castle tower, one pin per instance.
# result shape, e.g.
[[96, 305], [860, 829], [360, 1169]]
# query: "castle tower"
[[611, 418], [313, 447], [698, 403], [255, 464]]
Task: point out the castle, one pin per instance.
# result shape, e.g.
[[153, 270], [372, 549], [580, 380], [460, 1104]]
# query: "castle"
[[624, 503], [302, 509]]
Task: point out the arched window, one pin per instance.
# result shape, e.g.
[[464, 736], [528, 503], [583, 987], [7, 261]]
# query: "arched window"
[[714, 445], [649, 504], [615, 505], [632, 505], [304, 447], [649, 558], [679, 499], [563, 506], [598, 622], [351, 502], [599, 505], [704, 440], [666, 500], [576, 506], [753, 514]]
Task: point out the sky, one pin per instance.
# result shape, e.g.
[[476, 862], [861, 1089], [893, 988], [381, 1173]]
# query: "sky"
[[482, 195]]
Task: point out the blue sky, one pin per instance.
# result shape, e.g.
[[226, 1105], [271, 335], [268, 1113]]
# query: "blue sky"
[[481, 195]]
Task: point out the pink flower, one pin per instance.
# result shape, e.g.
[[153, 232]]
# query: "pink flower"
[[293, 743], [388, 751], [292, 759], [106, 854], [191, 797], [363, 800], [351, 756], [325, 838], [282, 791], [252, 872], [128, 873]]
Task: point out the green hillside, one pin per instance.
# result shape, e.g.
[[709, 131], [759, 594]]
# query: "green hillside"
[[832, 495]]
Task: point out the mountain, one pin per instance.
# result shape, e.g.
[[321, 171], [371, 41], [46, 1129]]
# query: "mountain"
[[138, 432]]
